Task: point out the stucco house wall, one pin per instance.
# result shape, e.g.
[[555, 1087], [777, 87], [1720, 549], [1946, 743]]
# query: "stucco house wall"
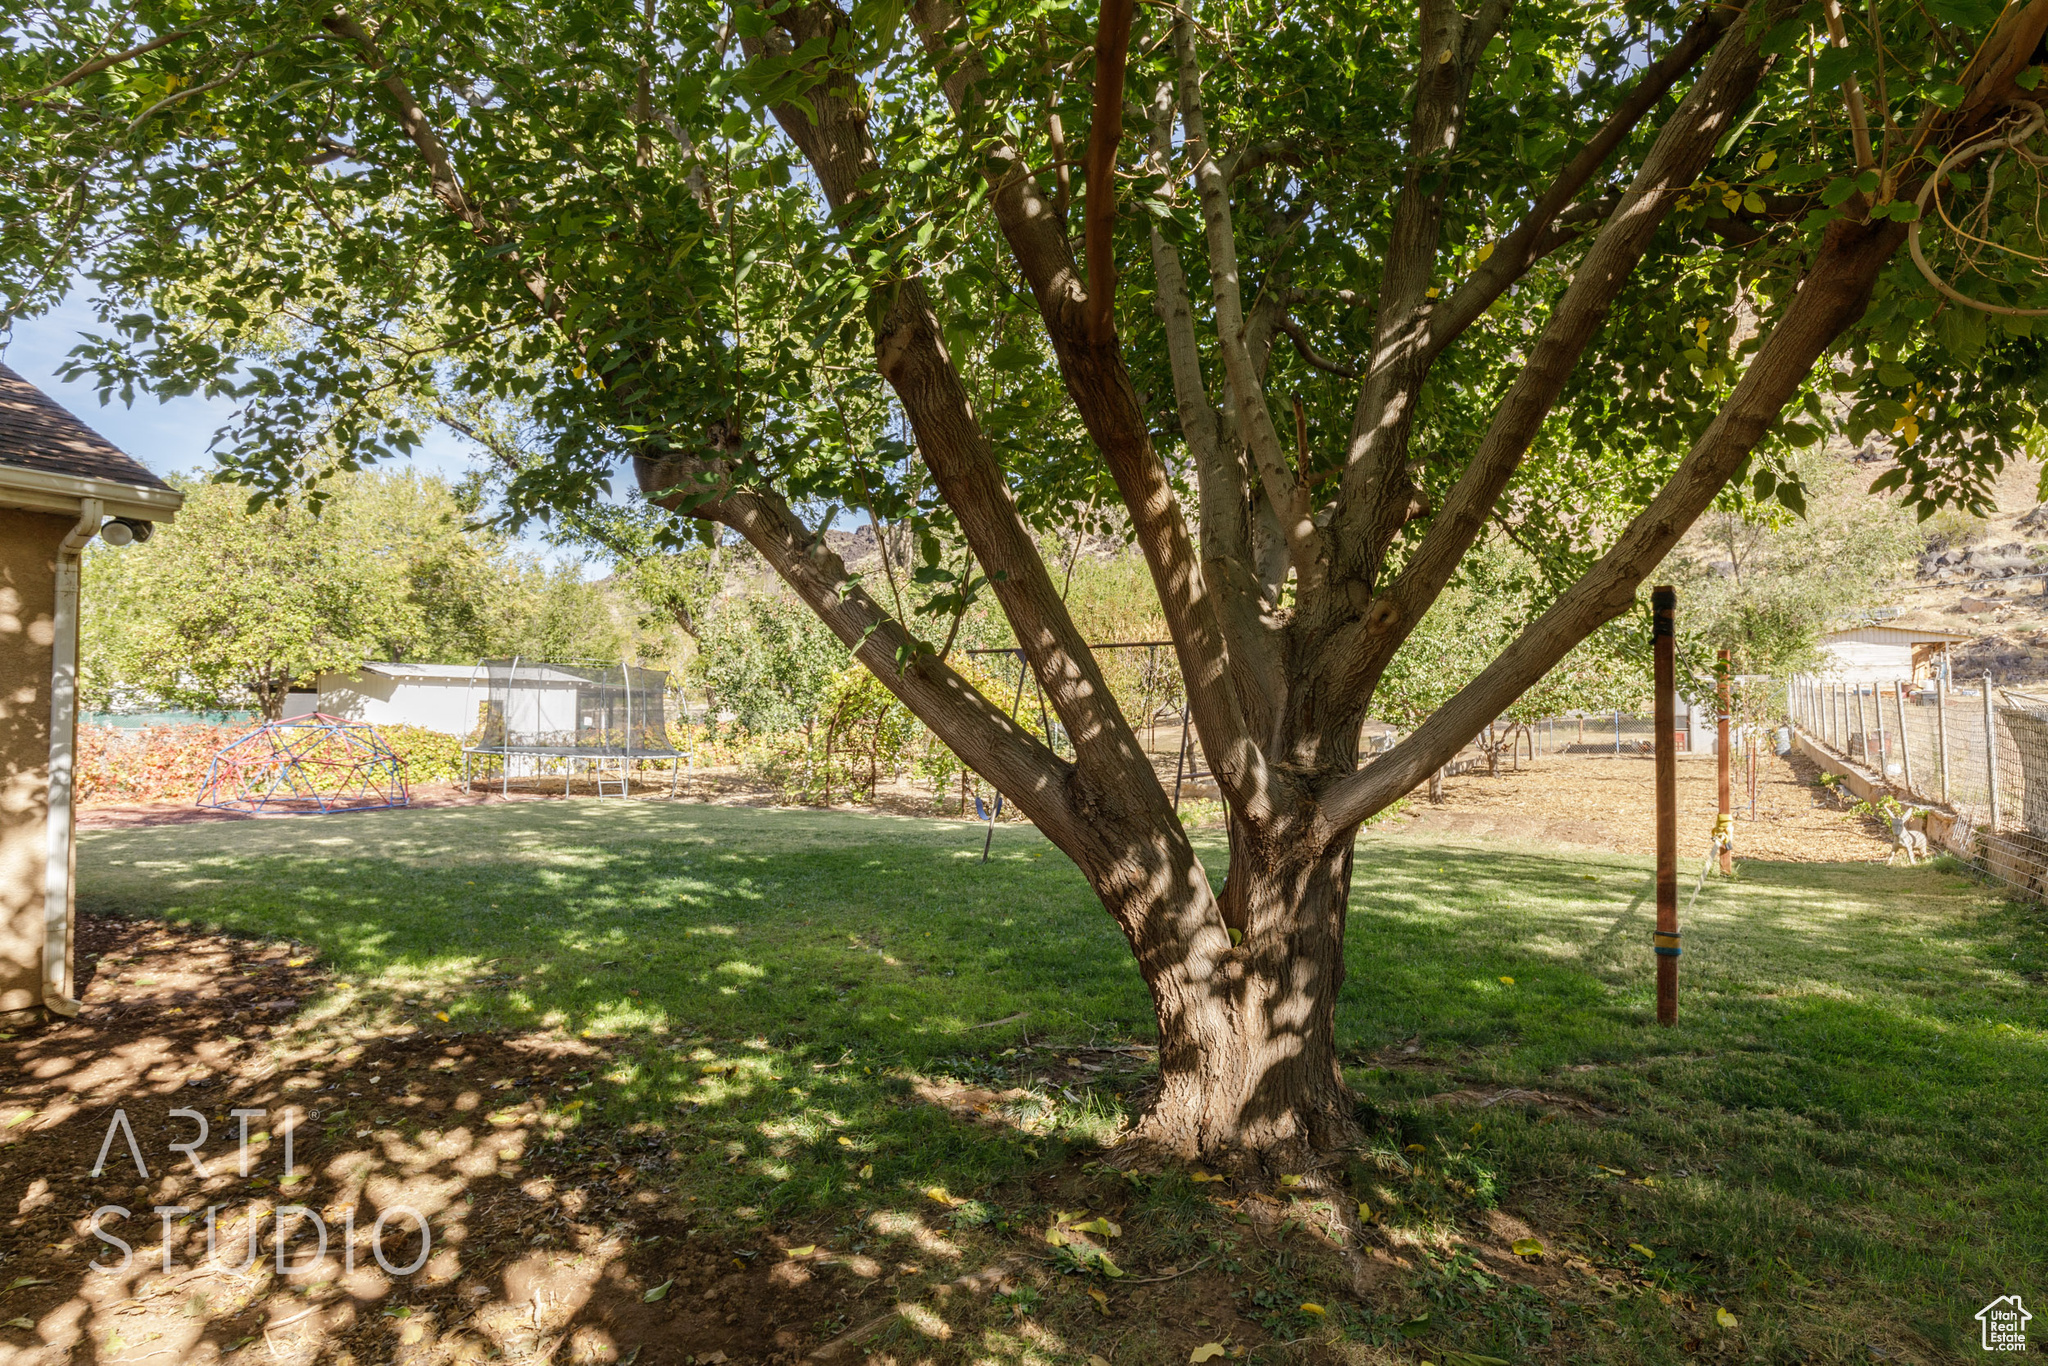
[[28, 593], [61, 485]]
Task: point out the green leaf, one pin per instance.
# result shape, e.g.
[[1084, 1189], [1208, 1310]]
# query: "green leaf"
[[659, 1292]]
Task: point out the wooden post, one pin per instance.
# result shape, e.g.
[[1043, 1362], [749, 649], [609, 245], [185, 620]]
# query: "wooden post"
[[1991, 752], [1722, 759], [1941, 730], [1862, 725], [1663, 610], [1905, 742], [1884, 748]]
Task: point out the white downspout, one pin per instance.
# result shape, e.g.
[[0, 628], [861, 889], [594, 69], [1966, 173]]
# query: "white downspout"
[[63, 724]]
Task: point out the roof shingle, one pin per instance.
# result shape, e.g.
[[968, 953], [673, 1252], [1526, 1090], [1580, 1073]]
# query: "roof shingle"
[[37, 434]]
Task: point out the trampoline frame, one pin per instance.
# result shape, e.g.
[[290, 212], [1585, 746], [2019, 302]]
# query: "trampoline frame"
[[601, 759]]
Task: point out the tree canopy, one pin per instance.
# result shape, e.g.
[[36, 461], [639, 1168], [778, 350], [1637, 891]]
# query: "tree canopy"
[[229, 605], [1320, 298]]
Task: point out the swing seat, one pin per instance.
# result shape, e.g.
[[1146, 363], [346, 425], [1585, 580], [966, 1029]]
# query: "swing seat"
[[981, 813]]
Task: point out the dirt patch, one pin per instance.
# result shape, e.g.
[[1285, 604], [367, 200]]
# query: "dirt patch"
[[544, 1241], [1609, 803]]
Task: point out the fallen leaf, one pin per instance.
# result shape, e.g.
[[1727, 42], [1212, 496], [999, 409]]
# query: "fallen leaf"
[[1106, 1266], [845, 1142], [412, 1332], [1528, 1247], [1100, 1226], [659, 1292], [867, 1171], [1204, 1176], [1098, 1361], [1208, 1351], [19, 1281], [1310, 1307], [1724, 1318], [442, 1016], [24, 1115], [23, 1322], [1290, 1180], [1417, 1148], [1364, 1212], [940, 1194], [1638, 1247], [1101, 1301], [806, 1250], [1507, 981]]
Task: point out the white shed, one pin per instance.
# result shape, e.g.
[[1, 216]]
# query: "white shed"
[[1886, 654], [443, 697]]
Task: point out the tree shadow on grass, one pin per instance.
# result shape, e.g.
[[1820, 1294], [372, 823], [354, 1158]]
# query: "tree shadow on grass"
[[765, 987]]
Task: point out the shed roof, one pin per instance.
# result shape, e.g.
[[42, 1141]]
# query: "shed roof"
[[36, 433], [1893, 635], [423, 673]]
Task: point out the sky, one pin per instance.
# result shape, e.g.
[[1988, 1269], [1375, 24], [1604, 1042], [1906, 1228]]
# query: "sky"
[[171, 437]]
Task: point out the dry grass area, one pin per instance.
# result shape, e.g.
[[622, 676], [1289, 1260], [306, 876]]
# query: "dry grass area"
[[1609, 803]]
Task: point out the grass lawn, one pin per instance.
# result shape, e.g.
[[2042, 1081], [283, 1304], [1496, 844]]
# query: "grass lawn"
[[1843, 1144]]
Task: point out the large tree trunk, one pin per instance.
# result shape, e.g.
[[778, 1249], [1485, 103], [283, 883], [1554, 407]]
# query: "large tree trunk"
[[1247, 1041]]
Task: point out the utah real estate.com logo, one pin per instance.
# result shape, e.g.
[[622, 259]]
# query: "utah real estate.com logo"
[[2005, 1324]]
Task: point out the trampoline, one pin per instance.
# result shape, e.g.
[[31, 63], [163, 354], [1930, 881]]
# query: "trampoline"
[[597, 718]]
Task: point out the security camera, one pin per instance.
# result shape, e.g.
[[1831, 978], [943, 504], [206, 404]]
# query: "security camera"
[[123, 530]]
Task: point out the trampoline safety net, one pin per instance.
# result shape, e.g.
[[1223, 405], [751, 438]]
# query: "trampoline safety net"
[[569, 709]]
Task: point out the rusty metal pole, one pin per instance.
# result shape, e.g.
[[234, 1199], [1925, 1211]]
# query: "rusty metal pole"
[[1663, 610], [1722, 759]]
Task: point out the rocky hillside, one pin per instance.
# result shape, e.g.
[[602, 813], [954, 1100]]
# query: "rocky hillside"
[[1986, 575]]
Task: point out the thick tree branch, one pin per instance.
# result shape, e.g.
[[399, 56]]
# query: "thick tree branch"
[[1107, 402], [1112, 43], [1377, 494], [995, 746], [1681, 151], [1535, 236], [1830, 299], [1290, 502], [1221, 481], [831, 131]]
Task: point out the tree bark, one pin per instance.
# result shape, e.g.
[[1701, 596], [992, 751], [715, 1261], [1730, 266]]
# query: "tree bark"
[[1247, 1038]]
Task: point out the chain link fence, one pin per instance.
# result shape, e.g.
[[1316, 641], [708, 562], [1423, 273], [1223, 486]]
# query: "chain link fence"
[[1976, 755]]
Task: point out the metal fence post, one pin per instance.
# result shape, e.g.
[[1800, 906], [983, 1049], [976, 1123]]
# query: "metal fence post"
[[1991, 752], [1617, 730], [1905, 744], [1842, 719], [1941, 731]]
